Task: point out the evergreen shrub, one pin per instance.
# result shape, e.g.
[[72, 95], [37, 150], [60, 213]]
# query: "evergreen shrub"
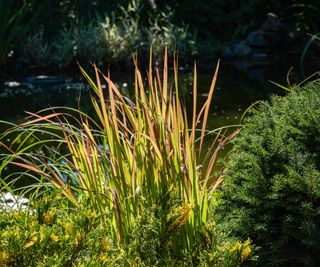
[[271, 188]]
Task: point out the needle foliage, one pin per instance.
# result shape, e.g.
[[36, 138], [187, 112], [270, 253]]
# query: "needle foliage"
[[271, 188]]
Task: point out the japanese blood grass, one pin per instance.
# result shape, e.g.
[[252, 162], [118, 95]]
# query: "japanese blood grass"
[[124, 161]]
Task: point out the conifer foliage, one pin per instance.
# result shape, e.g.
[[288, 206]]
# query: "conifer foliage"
[[271, 189]]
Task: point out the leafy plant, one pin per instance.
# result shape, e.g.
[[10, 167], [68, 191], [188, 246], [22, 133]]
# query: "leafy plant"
[[80, 41], [36, 50], [53, 234], [271, 187], [152, 240], [163, 32]]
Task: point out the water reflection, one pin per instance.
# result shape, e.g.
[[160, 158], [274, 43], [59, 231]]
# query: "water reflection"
[[239, 84]]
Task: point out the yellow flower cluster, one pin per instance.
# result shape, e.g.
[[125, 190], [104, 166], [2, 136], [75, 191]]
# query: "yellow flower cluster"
[[105, 244], [245, 253], [3, 258], [67, 227], [54, 238], [242, 248], [32, 241], [48, 217]]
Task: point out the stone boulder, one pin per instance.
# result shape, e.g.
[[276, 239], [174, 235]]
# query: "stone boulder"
[[270, 37], [264, 39], [273, 24]]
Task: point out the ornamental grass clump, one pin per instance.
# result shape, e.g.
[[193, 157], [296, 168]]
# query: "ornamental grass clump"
[[132, 159]]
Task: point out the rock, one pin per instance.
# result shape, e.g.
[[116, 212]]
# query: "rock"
[[271, 34], [273, 24], [242, 50], [260, 57], [242, 64], [260, 45], [12, 84], [44, 79], [228, 52], [12, 202], [264, 39]]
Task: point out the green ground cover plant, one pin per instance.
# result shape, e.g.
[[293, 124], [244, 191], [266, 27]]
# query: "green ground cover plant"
[[271, 188], [136, 164], [56, 234], [57, 30]]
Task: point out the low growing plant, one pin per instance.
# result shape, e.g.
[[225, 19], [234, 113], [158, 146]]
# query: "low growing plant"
[[53, 233]]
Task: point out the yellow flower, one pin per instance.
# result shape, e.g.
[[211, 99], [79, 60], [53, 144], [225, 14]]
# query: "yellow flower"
[[16, 232], [54, 238], [211, 256], [59, 222], [103, 257], [41, 233], [245, 253], [137, 261], [67, 228], [15, 215], [31, 242], [77, 239], [57, 197], [3, 258], [105, 244], [47, 218], [93, 214], [206, 234], [66, 237], [236, 247], [78, 236]]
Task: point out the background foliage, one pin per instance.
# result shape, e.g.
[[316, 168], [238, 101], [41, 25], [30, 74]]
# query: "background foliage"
[[67, 28]]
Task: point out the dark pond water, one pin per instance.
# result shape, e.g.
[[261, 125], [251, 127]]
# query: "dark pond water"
[[240, 83]]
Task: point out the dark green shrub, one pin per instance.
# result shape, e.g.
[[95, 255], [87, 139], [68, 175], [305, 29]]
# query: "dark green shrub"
[[271, 189]]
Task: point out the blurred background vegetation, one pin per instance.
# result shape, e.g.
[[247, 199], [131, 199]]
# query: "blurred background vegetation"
[[59, 32]]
